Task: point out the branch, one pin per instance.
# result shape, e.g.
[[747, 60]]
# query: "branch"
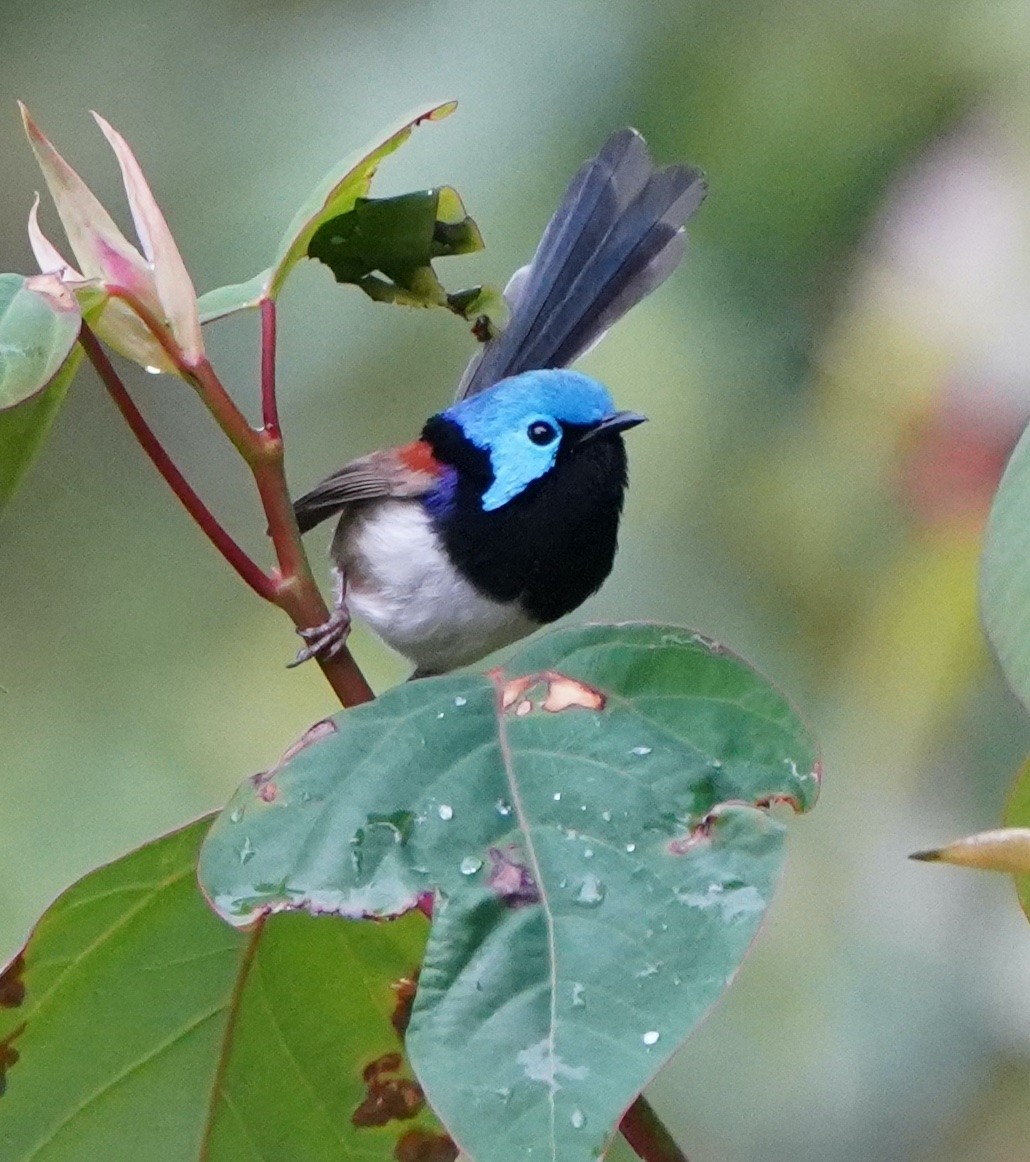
[[297, 592], [247, 568], [292, 587], [647, 1136], [269, 404], [200, 375]]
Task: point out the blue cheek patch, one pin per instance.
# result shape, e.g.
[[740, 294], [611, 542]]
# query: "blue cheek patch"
[[516, 463]]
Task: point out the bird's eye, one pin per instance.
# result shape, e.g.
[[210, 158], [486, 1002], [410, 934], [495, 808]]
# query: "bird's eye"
[[541, 432]]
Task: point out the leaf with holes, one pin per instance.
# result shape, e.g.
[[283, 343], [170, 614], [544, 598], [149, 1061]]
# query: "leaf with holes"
[[591, 818], [386, 246], [134, 1025], [336, 194]]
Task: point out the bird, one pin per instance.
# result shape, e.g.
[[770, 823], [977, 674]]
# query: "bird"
[[503, 516]]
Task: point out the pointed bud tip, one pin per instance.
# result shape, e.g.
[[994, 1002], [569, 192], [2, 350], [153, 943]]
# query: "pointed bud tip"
[[32, 130], [932, 856]]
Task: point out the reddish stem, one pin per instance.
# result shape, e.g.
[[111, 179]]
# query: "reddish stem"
[[202, 376], [647, 1136], [293, 586], [269, 403], [297, 593], [248, 569]]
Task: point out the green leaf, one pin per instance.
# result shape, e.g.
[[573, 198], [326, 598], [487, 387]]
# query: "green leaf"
[[398, 237], [229, 300], [1017, 814], [1005, 571], [135, 1025], [23, 428], [39, 323], [39, 356], [590, 819], [334, 195]]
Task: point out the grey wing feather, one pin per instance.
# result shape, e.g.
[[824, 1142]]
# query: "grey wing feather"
[[373, 477], [617, 235]]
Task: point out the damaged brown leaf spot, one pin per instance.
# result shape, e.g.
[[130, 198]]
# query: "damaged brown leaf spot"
[[12, 983], [512, 691], [559, 693], [405, 990], [510, 878], [269, 792], [422, 1146], [778, 801], [564, 693], [683, 844], [9, 1055], [388, 1097], [310, 736]]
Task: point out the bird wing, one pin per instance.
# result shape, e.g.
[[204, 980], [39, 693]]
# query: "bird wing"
[[408, 471], [617, 235]]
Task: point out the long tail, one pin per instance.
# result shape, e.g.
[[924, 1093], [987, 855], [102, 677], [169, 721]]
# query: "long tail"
[[617, 235]]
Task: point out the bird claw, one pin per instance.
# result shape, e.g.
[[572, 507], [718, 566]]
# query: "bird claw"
[[326, 640]]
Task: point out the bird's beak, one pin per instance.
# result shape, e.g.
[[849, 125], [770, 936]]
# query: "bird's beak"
[[619, 422]]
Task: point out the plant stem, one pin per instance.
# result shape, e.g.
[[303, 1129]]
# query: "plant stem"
[[269, 403], [647, 1136], [201, 376], [248, 569], [297, 592], [292, 586]]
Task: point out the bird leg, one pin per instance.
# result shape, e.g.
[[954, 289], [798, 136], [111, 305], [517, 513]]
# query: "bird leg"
[[326, 640]]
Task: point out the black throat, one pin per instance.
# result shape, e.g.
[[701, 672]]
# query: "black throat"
[[554, 544]]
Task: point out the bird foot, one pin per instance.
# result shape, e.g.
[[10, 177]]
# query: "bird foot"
[[326, 640]]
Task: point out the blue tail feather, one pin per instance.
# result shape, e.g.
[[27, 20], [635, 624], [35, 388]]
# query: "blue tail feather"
[[617, 235]]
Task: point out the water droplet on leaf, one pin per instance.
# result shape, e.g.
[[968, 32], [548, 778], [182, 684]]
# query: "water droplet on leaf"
[[640, 751], [246, 850], [557, 796], [578, 1119], [590, 893], [503, 808], [578, 998], [606, 816], [470, 865], [235, 815], [445, 811], [650, 1037], [459, 701], [631, 847]]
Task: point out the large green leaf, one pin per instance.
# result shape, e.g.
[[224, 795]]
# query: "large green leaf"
[[1017, 814], [1005, 571], [591, 818], [23, 428], [334, 195], [39, 323], [135, 1025]]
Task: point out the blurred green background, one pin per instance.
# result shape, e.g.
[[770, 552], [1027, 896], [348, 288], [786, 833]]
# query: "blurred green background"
[[834, 379]]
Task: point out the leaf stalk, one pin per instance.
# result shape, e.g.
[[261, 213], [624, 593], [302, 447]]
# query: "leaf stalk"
[[646, 1134]]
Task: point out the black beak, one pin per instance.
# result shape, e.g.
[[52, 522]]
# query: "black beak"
[[619, 422]]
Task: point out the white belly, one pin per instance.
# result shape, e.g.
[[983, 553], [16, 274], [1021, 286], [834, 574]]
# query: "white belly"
[[401, 583]]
